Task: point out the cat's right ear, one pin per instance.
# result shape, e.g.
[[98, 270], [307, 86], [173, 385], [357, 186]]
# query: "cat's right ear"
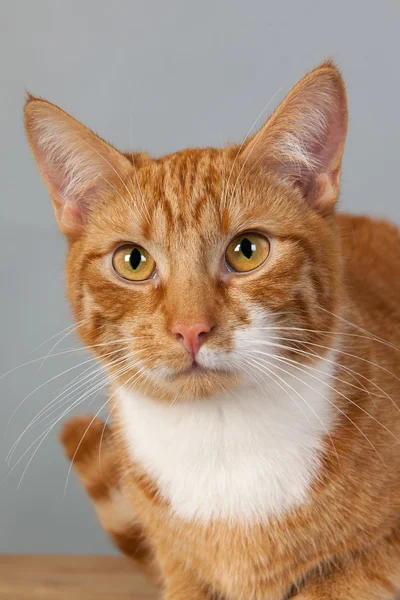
[[76, 166]]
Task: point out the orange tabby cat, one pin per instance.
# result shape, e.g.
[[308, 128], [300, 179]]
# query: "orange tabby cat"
[[249, 335]]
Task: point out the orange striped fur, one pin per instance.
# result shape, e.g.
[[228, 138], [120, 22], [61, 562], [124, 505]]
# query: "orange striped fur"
[[323, 308]]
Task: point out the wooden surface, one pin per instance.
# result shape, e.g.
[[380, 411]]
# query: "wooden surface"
[[71, 578]]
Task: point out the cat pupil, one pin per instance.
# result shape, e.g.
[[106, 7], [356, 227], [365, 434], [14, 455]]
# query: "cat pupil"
[[246, 248], [135, 258]]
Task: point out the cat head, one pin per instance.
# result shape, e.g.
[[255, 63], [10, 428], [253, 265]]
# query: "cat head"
[[189, 273]]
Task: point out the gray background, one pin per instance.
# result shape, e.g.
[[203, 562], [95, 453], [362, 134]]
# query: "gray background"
[[158, 75]]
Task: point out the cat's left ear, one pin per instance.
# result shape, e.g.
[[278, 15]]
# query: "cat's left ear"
[[303, 141], [77, 166]]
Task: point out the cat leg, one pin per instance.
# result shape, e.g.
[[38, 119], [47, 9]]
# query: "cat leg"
[[372, 574], [182, 584], [89, 444]]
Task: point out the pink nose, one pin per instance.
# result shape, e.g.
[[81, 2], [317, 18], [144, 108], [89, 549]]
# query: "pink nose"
[[191, 336]]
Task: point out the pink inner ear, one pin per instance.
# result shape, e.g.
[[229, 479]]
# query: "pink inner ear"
[[75, 164], [303, 141], [71, 215], [317, 139], [69, 212]]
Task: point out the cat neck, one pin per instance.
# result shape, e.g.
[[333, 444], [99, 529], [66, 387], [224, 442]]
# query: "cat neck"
[[245, 456]]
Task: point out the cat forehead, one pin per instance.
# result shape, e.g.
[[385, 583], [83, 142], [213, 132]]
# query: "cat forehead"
[[192, 195], [181, 191], [206, 188], [184, 179]]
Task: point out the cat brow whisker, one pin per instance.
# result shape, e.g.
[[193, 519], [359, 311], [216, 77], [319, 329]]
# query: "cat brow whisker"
[[134, 167], [255, 163], [244, 141], [118, 175]]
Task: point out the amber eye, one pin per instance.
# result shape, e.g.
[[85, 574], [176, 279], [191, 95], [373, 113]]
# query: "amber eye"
[[133, 263], [247, 251]]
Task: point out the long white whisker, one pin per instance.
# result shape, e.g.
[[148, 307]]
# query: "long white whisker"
[[73, 327], [87, 429], [68, 351], [57, 343], [63, 397], [298, 367], [309, 406], [90, 360], [332, 404], [371, 335], [43, 436], [244, 141], [298, 350]]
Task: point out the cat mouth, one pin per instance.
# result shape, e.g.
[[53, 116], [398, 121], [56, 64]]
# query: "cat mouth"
[[195, 369]]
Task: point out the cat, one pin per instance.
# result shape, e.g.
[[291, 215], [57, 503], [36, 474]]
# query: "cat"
[[250, 335]]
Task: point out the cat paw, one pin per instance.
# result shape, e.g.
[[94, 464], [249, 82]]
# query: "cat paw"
[[81, 437]]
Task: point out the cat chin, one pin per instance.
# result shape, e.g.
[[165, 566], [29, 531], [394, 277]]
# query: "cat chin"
[[181, 386]]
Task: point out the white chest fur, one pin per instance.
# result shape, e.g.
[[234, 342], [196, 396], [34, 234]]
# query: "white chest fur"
[[246, 456]]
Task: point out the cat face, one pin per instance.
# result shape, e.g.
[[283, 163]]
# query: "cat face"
[[190, 274]]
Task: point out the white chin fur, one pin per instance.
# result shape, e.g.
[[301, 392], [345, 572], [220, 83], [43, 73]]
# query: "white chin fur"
[[244, 456]]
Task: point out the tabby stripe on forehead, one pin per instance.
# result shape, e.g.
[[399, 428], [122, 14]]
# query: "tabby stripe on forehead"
[[192, 166]]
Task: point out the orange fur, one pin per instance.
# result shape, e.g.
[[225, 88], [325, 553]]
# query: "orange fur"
[[325, 274]]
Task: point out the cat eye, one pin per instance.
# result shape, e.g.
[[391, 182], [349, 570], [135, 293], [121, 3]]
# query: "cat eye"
[[133, 263], [246, 252]]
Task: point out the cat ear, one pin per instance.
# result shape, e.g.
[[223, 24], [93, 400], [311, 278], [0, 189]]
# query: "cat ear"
[[303, 141], [76, 166]]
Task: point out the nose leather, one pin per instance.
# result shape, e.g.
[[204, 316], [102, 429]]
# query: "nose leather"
[[191, 335]]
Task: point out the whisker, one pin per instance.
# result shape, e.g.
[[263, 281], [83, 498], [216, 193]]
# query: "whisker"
[[359, 387], [62, 398], [136, 175], [142, 374], [244, 141], [73, 327], [118, 175], [43, 436], [334, 405], [68, 351], [298, 367], [370, 337], [309, 406], [52, 379], [298, 350], [87, 429], [272, 375], [360, 329], [58, 342]]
